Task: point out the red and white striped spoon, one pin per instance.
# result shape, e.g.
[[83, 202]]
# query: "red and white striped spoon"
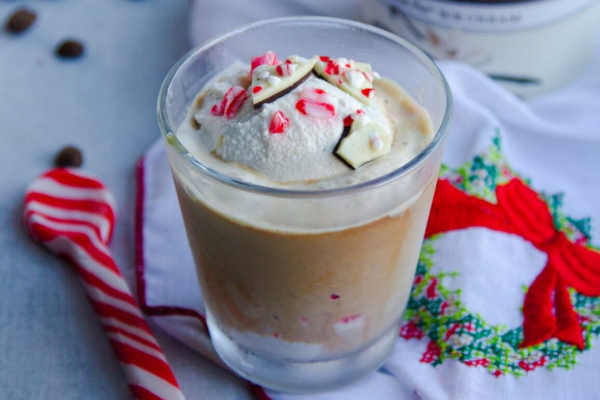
[[73, 214]]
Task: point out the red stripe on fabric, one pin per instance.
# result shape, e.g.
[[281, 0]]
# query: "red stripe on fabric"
[[259, 391], [132, 336], [108, 311], [142, 393], [173, 311], [67, 177], [92, 280], [130, 355], [159, 310], [139, 234]]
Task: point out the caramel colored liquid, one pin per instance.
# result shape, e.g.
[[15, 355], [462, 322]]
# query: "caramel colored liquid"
[[340, 289]]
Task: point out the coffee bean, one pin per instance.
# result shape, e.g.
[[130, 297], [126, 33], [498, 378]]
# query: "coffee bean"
[[69, 157], [69, 49], [20, 20]]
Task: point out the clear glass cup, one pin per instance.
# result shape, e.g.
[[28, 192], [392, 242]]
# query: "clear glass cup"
[[305, 290]]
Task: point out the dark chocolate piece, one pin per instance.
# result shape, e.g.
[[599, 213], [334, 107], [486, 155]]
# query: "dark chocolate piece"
[[316, 74], [345, 133], [283, 92]]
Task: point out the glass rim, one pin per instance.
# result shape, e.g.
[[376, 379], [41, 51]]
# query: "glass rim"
[[169, 133]]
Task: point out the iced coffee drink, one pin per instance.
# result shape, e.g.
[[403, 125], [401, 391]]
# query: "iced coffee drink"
[[305, 182]]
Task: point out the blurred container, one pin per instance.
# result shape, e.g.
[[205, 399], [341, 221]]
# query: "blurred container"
[[529, 46]]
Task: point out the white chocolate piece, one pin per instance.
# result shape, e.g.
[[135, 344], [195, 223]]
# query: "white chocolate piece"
[[355, 78], [297, 59], [366, 141], [274, 79]]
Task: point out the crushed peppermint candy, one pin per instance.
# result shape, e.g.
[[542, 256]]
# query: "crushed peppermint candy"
[[376, 141], [286, 69], [273, 80], [332, 67], [345, 62], [278, 80], [351, 318], [348, 120], [368, 92], [362, 141], [310, 110], [231, 103], [355, 78], [368, 76], [278, 123], [316, 103], [351, 328], [269, 58], [350, 76], [357, 114]]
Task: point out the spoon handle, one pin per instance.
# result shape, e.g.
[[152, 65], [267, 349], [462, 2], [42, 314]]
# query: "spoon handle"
[[72, 214]]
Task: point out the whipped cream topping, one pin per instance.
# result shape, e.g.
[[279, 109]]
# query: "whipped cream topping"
[[280, 123]]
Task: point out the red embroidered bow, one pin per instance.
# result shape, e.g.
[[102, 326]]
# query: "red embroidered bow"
[[547, 309]]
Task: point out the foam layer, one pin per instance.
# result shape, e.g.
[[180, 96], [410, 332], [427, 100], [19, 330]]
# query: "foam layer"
[[243, 145]]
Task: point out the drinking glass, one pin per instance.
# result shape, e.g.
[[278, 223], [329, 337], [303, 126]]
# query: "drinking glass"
[[305, 289]]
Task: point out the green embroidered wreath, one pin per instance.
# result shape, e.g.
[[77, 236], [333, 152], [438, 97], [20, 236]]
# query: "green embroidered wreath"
[[457, 333]]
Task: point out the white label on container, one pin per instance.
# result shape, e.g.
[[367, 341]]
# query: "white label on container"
[[486, 17]]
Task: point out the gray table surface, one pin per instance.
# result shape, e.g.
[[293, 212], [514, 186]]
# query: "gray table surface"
[[51, 345]]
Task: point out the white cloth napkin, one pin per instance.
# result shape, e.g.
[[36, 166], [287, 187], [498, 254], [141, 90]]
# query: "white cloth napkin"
[[460, 333]]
